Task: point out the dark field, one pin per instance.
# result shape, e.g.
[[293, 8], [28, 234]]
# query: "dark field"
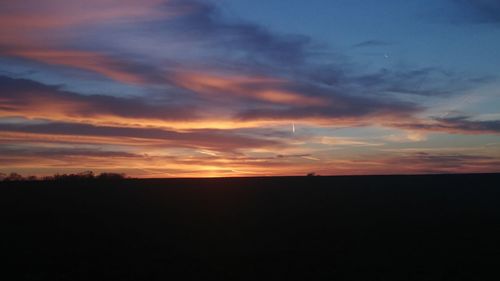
[[297, 228]]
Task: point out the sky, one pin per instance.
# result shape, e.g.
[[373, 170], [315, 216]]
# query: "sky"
[[210, 88]]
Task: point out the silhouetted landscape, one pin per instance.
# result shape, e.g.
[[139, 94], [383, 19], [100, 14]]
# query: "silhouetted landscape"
[[433, 227]]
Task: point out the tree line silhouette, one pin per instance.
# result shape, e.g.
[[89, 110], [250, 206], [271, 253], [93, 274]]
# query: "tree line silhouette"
[[83, 176]]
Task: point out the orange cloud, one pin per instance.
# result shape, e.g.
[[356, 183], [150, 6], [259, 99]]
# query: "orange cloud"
[[84, 60], [258, 88], [39, 31], [32, 23]]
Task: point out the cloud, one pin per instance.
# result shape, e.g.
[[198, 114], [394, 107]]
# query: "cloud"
[[197, 23], [101, 63], [251, 99], [340, 107], [205, 24], [28, 98], [246, 94], [266, 89], [427, 81], [346, 141], [465, 123], [27, 21], [51, 32], [58, 152], [205, 139], [46, 33], [480, 11], [372, 43], [413, 163], [457, 124], [422, 162], [248, 53]]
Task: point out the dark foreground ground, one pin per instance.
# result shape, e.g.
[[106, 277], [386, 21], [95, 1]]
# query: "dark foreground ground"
[[305, 228]]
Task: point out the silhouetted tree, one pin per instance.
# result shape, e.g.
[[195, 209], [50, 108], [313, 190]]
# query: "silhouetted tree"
[[83, 176], [312, 174], [32, 178], [87, 175], [13, 177], [48, 178], [58, 177], [110, 176]]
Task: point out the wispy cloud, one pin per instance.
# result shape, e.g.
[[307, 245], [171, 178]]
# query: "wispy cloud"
[[458, 124], [206, 139], [422, 162], [372, 43]]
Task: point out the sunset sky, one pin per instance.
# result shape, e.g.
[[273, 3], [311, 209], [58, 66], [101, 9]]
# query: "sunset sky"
[[194, 88]]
